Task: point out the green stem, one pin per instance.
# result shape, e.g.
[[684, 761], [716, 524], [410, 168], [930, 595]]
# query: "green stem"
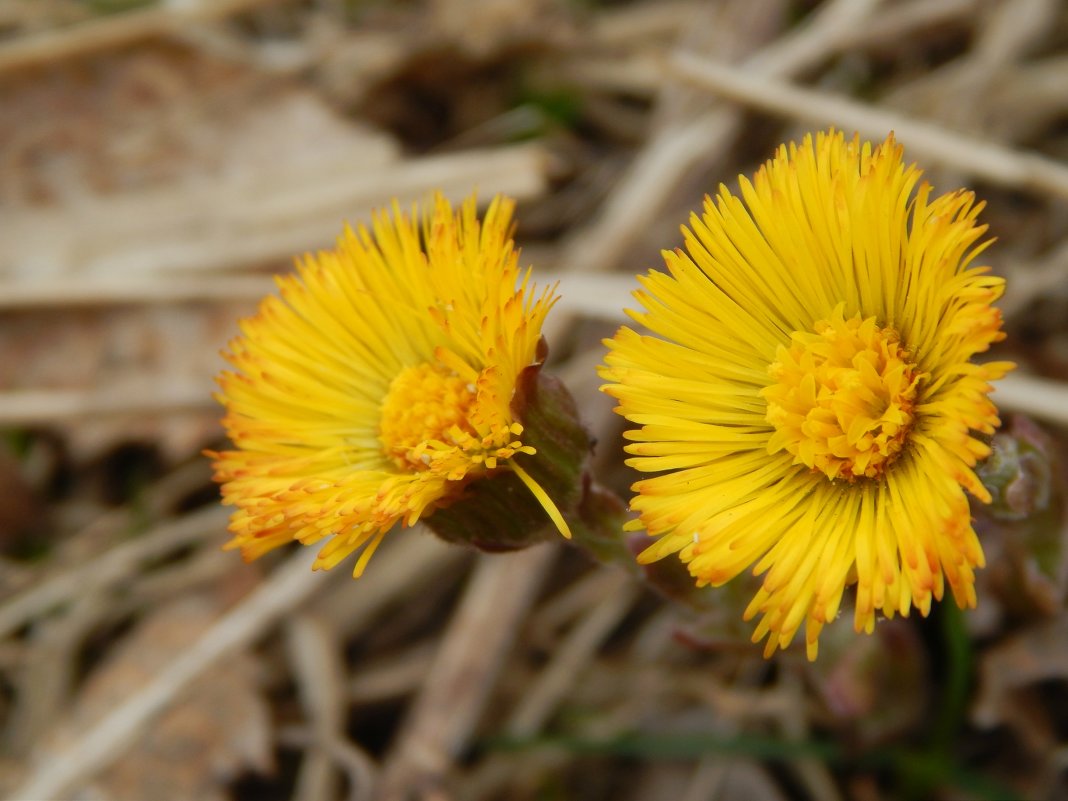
[[959, 667]]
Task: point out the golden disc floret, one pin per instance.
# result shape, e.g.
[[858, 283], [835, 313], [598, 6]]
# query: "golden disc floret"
[[844, 397]]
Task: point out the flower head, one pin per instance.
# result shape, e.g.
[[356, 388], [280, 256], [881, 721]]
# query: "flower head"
[[807, 395], [380, 383]]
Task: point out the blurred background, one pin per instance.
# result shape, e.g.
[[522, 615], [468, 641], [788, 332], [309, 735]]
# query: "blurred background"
[[159, 161]]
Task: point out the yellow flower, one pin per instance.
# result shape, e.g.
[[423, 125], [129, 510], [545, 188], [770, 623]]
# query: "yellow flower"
[[380, 383], [808, 396]]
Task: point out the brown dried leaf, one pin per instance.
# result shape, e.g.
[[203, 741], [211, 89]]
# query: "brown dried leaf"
[[131, 354], [160, 118], [166, 160], [485, 27], [1038, 654], [160, 152], [21, 509]]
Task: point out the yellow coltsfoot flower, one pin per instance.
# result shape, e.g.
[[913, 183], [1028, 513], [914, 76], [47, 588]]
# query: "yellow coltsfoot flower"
[[383, 383], [807, 395]]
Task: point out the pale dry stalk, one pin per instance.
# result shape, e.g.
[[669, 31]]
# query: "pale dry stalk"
[[994, 163], [118, 30], [54, 775], [444, 714]]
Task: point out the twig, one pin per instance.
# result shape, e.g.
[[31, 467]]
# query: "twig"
[[42, 684], [103, 531], [600, 297], [411, 559], [639, 73], [458, 684], [358, 766], [577, 649], [577, 290], [400, 566], [637, 23], [78, 292], [1027, 284], [810, 45], [319, 673], [565, 606], [115, 31], [392, 677], [899, 20], [34, 406], [1040, 397], [111, 567], [1040, 81], [227, 222], [1011, 29], [964, 93], [543, 695], [147, 591], [636, 74], [286, 589], [985, 160]]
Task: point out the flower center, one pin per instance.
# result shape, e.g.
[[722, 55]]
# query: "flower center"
[[843, 398], [427, 406]]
